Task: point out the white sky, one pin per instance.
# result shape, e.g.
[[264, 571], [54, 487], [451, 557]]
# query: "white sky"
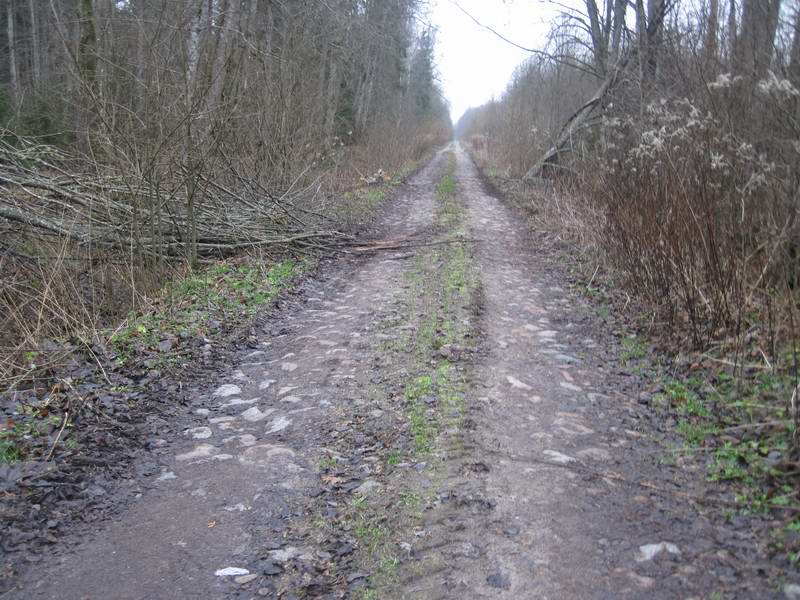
[[474, 64]]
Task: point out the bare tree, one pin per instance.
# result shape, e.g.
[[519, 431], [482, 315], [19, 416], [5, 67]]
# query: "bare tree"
[[36, 50], [794, 58], [712, 33], [12, 53], [87, 44], [755, 44]]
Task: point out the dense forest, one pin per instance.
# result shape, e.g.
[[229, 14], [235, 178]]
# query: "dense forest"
[[140, 133]]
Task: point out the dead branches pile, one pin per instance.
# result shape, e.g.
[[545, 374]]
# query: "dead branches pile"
[[44, 192]]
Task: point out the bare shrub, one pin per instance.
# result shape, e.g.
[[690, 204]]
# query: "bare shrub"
[[698, 219]]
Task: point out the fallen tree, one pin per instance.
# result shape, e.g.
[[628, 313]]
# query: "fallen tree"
[[49, 193]]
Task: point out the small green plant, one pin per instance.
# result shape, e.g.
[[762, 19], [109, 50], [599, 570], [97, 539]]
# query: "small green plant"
[[328, 464], [422, 428], [9, 450], [633, 349], [447, 186], [393, 459], [25, 432], [222, 293]]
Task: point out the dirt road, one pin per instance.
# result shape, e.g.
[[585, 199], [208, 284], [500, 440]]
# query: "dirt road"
[[440, 419]]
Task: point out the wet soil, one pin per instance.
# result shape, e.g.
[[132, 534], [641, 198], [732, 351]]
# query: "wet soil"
[[291, 474]]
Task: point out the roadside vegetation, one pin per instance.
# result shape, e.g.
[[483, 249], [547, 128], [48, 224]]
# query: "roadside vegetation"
[[661, 145], [166, 336]]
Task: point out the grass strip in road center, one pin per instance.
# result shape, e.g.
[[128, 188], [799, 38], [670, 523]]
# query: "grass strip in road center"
[[440, 303]]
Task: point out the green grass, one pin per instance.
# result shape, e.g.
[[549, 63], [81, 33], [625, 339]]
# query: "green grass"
[[10, 451], [633, 349], [26, 435], [196, 304], [423, 428], [359, 205], [441, 286], [373, 534], [393, 459], [193, 306], [738, 422], [328, 464], [447, 185]]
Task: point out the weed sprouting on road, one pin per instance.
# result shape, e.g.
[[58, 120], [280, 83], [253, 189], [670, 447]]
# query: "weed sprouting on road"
[[439, 304]]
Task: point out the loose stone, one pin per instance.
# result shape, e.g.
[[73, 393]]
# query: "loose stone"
[[254, 414], [650, 551], [227, 390], [231, 572]]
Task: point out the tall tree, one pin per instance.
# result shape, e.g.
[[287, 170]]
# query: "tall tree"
[[756, 43], [87, 44], [36, 50], [12, 53], [712, 33], [794, 57]]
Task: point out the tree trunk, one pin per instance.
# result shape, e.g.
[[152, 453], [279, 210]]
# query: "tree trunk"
[[229, 21], [732, 33], [711, 32], [641, 41], [141, 44], [794, 57], [598, 38], [332, 93], [200, 14], [755, 44], [655, 9], [618, 26], [36, 57], [87, 45], [12, 55]]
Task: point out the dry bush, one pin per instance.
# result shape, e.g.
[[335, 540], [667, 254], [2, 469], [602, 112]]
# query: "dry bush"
[[685, 177], [701, 221], [60, 292]]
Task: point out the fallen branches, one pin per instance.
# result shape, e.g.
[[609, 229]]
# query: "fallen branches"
[[129, 213], [402, 245], [576, 122]]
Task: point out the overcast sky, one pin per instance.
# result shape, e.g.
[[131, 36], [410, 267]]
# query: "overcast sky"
[[474, 64]]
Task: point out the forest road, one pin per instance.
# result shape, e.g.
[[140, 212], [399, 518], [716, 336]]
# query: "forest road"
[[533, 473]]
